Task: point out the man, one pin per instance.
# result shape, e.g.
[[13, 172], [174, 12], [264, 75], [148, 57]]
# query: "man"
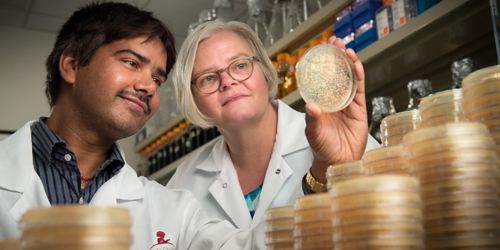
[[107, 64]]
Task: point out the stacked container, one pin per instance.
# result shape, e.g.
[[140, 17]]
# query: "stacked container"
[[481, 97], [76, 227], [386, 160], [344, 171], [9, 245], [457, 167], [377, 212], [313, 222], [441, 107], [394, 127], [279, 228]]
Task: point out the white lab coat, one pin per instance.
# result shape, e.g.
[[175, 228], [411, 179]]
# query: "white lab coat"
[[211, 176], [152, 207]]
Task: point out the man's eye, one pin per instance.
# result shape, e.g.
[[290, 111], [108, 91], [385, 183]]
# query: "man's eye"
[[132, 63], [157, 80]]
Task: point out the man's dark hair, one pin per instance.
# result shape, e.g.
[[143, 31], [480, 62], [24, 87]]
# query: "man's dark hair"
[[98, 24]]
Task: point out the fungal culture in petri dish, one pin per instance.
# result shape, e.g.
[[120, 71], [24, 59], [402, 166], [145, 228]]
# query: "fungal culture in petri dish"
[[325, 76]]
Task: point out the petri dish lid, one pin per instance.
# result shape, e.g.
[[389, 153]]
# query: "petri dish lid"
[[383, 153], [313, 214], [379, 244], [321, 241], [282, 235], [10, 244], [275, 213], [77, 235], [450, 144], [387, 230], [279, 225], [348, 168], [325, 76], [318, 200], [484, 114], [405, 117], [376, 200], [463, 201], [485, 101], [440, 98], [442, 119], [313, 228], [76, 215], [377, 215], [442, 109], [446, 130], [376, 183], [491, 73]]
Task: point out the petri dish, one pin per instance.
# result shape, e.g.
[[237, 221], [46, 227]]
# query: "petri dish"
[[280, 236], [485, 243], [452, 108], [450, 144], [376, 200], [447, 130], [462, 201], [441, 120], [320, 200], [383, 153], [313, 214], [76, 215], [377, 215], [279, 213], [439, 98], [410, 117], [278, 225], [377, 183], [323, 241], [484, 114], [388, 230], [325, 76], [280, 246], [485, 101], [313, 228]]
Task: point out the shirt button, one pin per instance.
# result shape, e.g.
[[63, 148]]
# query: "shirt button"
[[67, 157], [224, 185], [278, 171]]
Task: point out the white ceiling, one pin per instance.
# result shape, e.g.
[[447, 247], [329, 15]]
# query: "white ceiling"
[[49, 15]]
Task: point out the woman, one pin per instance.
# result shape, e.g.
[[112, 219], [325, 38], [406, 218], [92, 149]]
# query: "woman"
[[224, 78]]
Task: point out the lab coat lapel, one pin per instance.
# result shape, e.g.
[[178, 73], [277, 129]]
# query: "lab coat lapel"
[[122, 188], [226, 188], [277, 173], [21, 187]]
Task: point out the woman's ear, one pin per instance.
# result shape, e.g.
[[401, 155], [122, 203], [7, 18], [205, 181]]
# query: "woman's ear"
[[68, 67]]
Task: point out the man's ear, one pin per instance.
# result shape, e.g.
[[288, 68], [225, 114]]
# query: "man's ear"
[[68, 66]]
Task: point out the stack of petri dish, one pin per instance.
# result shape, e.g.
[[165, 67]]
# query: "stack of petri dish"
[[377, 212], [279, 228], [441, 108], [386, 160], [481, 91], [9, 245], [76, 227], [394, 127], [457, 167], [344, 171], [313, 222]]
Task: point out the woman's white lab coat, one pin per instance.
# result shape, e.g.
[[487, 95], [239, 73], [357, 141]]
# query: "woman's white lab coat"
[[210, 174], [152, 207]]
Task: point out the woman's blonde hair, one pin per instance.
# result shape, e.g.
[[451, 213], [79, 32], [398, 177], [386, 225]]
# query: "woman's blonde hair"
[[183, 68]]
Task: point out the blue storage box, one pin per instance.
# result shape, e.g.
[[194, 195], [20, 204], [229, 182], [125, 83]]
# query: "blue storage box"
[[366, 35], [343, 24], [364, 11]]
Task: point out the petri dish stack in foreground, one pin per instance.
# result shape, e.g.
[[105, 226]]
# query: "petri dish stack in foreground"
[[344, 171], [313, 222], [377, 212], [394, 127], [9, 245], [442, 107], [279, 228], [386, 160], [457, 166], [76, 227], [481, 99]]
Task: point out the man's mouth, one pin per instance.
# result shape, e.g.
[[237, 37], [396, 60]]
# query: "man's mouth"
[[137, 99]]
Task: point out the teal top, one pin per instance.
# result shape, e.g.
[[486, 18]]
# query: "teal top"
[[252, 199]]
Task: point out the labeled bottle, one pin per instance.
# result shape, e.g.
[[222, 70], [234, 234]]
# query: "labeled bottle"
[[283, 68], [460, 69], [382, 106], [418, 89], [277, 24]]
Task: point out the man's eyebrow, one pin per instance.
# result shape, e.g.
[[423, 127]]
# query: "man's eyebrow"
[[141, 58]]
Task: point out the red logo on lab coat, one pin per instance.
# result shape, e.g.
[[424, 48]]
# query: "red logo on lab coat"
[[161, 242]]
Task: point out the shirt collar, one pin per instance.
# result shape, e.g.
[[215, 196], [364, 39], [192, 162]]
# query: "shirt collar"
[[45, 141]]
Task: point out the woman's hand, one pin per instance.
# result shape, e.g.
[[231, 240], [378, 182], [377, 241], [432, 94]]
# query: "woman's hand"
[[339, 136]]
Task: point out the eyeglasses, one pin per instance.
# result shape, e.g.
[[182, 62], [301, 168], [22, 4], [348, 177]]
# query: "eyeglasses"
[[239, 70]]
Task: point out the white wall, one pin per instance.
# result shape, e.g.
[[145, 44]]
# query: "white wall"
[[22, 80]]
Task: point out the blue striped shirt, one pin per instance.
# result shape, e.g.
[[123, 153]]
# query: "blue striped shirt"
[[56, 165]]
